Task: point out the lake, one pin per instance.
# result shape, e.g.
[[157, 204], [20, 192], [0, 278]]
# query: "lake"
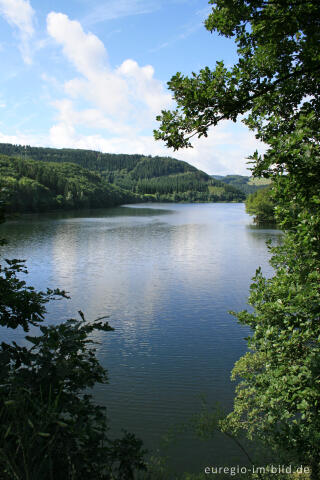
[[167, 275]]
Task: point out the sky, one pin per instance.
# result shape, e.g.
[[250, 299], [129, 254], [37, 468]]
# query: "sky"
[[93, 74]]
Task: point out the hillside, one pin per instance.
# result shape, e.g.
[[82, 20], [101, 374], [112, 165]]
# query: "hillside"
[[33, 186], [156, 178], [244, 183]]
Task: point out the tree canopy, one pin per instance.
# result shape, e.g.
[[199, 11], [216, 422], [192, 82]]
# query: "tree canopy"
[[277, 70], [261, 205]]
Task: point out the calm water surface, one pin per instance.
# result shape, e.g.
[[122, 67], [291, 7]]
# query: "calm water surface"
[[167, 274]]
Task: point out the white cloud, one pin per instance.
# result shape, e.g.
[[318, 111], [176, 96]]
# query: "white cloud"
[[89, 118], [116, 92], [84, 50], [124, 99], [143, 86], [113, 109], [19, 14], [224, 151]]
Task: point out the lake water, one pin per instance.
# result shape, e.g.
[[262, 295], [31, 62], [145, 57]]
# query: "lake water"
[[167, 274]]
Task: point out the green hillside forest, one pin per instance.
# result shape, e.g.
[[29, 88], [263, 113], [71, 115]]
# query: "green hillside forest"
[[244, 183], [33, 186], [38, 179]]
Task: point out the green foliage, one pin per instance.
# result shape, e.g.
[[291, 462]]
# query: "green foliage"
[[50, 427], [127, 178], [34, 186], [278, 397], [275, 86], [278, 48], [261, 205], [149, 167], [89, 159], [170, 180]]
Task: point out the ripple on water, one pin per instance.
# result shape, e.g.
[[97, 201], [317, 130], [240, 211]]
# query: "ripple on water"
[[167, 276]]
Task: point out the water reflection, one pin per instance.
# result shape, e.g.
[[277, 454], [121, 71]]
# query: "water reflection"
[[167, 276]]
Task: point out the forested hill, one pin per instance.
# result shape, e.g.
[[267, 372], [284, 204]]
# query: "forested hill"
[[33, 186], [103, 163], [156, 178], [244, 183]]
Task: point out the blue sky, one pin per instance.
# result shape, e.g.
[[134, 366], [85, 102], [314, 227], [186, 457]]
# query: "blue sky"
[[93, 75]]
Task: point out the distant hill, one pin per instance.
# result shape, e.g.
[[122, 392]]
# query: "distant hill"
[[33, 186], [154, 178], [244, 183]]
